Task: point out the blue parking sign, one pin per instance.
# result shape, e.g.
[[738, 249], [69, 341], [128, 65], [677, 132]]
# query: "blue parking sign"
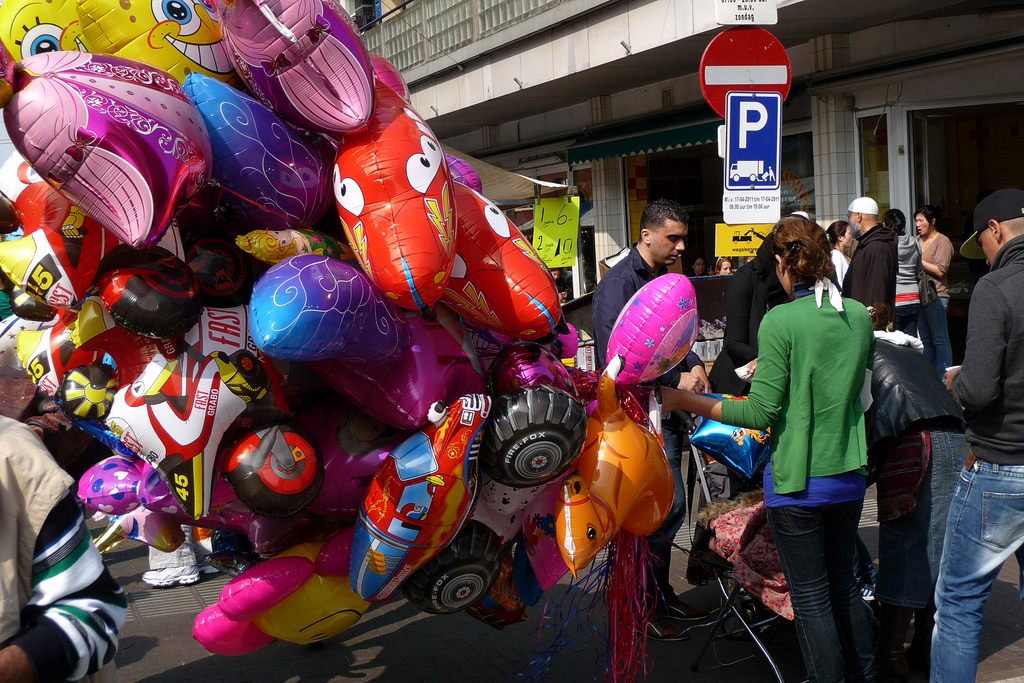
[[753, 151]]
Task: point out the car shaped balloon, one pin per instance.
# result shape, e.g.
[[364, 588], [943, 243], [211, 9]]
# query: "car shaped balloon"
[[419, 499], [304, 59], [393, 190], [498, 280], [178, 36], [120, 139]]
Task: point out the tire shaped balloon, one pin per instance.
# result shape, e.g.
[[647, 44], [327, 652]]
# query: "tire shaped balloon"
[[276, 470], [87, 393], [458, 576], [533, 436], [159, 297]]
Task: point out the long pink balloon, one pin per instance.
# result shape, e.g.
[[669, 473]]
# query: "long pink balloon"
[[222, 635], [120, 139], [267, 584]]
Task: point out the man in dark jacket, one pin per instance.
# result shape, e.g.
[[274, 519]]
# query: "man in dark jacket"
[[986, 518], [871, 278], [663, 228]]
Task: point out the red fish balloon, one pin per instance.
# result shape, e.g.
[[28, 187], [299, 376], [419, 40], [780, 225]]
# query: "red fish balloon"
[[498, 280], [120, 139], [393, 190]]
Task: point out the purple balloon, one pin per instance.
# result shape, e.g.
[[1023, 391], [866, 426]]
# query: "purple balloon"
[[526, 364], [274, 177], [312, 307], [120, 139], [463, 173], [302, 58], [112, 485], [401, 391], [354, 444]]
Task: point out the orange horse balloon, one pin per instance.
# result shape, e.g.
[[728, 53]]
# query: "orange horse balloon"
[[622, 481]]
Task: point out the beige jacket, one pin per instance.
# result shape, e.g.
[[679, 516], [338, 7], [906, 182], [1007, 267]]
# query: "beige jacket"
[[31, 483]]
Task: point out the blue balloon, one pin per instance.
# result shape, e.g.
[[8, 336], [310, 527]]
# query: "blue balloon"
[[273, 176], [312, 307], [743, 450]]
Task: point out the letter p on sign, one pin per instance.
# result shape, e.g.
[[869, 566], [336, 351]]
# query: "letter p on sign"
[[746, 125]]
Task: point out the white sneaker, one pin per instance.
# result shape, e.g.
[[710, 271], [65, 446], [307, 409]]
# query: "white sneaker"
[[171, 576]]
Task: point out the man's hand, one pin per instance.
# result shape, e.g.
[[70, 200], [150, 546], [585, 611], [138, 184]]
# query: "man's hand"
[[692, 382], [950, 374], [15, 666]]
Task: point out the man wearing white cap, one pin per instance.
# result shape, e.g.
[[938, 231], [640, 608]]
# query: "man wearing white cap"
[[871, 278]]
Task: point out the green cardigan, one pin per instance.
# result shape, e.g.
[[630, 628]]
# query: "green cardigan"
[[810, 372]]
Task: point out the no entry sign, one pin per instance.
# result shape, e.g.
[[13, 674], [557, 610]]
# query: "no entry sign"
[[743, 59]]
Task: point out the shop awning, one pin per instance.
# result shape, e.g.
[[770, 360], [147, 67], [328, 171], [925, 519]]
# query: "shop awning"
[[646, 143], [502, 185]]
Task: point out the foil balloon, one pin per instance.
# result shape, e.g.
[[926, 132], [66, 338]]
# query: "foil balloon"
[[272, 176], [301, 595], [525, 364], [170, 401], [112, 485], [315, 307], [35, 27], [501, 507], [222, 269], [498, 280], [393, 190], [534, 435], [305, 60], [119, 139], [655, 329], [742, 450], [177, 36], [459, 575], [622, 480], [386, 73], [540, 536], [568, 343], [274, 246], [419, 499], [59, 257], [10, 328], [159, 297], [463, 173], [7, 75], [355, 444], [400, 392]]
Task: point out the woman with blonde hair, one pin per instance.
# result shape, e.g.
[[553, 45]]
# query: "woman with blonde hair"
[[815, 479]]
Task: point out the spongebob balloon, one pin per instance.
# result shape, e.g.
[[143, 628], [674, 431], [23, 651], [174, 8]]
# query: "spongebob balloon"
[[178, 36], [32, 27]]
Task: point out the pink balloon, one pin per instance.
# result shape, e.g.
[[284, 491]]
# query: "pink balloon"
[[335, 556], [527, 364], [463, 173], [385, 72], [400, 392], [655, 329], [302, 58], [120, 139], [267, 584], [354, 444], [112, 485], [221, 635], [539, 536], [570, 342]]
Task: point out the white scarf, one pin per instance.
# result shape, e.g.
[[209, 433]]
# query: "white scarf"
[[835, 297]]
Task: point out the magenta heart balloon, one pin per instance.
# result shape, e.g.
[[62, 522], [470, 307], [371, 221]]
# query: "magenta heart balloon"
[[302, 58], [120, 139]]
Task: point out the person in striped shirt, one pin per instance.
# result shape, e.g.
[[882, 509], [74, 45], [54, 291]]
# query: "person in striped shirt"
[[60, 609]]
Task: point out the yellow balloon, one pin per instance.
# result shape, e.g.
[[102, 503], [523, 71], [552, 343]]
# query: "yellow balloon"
[[33, 27], [178, 36], [322, 607]]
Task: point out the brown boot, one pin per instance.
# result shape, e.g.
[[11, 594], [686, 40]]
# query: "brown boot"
[[892, 633], [919, 654]]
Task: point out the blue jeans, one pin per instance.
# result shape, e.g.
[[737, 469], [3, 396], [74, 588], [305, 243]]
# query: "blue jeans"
[[985, 528], [910, 548], [818, 549], [660, 541], [904, 318], [931, 323]]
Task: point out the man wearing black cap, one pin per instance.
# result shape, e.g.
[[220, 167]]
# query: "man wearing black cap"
[[986, 516]]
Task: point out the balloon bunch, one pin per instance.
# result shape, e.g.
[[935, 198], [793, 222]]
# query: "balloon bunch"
[[305, 373]]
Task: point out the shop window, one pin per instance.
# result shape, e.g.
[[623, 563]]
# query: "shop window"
[[797, 176], [874, 160]]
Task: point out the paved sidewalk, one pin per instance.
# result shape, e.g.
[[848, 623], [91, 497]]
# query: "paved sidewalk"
[[397, 642]]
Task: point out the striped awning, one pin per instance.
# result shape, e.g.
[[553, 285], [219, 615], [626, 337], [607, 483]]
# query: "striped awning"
[[646, 143]]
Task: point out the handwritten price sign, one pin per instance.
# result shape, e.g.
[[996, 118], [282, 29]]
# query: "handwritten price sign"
[[556, 227]]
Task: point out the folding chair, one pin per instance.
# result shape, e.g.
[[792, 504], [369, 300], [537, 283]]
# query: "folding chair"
[[721, 570]]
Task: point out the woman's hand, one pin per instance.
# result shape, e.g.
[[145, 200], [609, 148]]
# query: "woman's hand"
[[674, 399]]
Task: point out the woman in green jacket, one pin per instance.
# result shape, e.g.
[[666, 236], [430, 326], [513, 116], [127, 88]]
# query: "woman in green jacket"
[[815, 481]]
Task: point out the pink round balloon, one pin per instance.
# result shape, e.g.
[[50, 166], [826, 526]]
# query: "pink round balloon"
[[400, 392], [570, 342], [526, 364], [655, 329], [112, 485], [354, 444], [120, 139], [302, 58], [385, 72], [222, 635]]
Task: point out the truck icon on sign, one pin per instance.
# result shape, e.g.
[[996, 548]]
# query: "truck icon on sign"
[[752, 169]]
